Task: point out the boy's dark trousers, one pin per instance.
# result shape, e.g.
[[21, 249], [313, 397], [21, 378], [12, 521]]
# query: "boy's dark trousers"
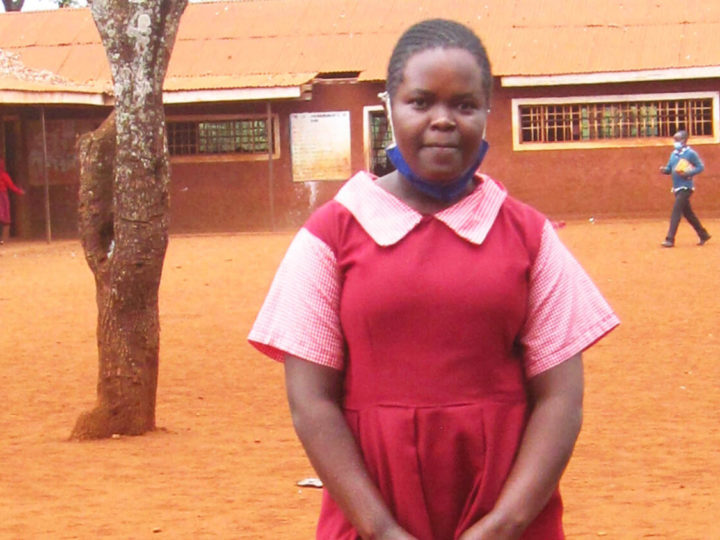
[[682, 208]]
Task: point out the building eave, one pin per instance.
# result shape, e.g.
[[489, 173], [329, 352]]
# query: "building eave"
[[25, 97], [235, 94], [707, 72]]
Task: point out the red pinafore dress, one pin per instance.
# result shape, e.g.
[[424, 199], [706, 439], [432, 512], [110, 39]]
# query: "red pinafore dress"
[[435, 390]]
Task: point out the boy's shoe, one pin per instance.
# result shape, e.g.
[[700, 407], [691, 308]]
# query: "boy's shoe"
[[703, 240], [668, 243]]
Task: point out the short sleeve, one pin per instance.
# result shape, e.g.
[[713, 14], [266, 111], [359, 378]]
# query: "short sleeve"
[[566, 312], [300, 315]]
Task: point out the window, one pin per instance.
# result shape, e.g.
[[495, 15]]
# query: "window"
[[613, 121], [378, 135], [223, 137]]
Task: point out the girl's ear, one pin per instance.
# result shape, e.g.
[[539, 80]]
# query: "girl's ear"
[[385, 98]]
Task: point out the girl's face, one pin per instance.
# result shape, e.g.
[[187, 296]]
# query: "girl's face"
[[439, 113]]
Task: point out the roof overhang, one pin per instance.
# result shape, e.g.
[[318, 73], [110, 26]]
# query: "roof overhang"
[[242, 87], [24, 97], [708, 72], [235, 94]]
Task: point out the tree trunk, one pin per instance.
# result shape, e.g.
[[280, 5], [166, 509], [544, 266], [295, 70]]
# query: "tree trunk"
[[124, 212], [13, 5]]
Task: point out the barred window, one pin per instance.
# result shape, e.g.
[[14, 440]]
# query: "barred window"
[[380, 138], [243, 136], [621, 122]]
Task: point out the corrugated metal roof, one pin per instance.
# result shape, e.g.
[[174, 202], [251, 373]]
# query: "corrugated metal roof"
[[10, 82], [21, 84], [226, 45]]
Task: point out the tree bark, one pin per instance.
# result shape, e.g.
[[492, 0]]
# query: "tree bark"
[[124, 213], [13, 5]]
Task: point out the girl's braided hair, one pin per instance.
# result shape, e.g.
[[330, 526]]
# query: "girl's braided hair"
[[431, 34]]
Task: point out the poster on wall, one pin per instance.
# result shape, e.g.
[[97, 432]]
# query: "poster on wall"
[[320, 146]]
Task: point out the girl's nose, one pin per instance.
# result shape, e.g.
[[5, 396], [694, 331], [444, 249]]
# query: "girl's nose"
[[442, 118]]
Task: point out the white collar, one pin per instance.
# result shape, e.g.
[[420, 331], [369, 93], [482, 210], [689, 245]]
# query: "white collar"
[[388, 220]]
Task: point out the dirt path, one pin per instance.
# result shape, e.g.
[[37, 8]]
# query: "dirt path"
[[225, 461]]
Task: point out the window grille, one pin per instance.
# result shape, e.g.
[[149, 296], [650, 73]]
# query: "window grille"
[[247, 136], [380, 138], [622, 121]]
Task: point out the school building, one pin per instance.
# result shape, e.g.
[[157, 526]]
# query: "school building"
[[272, 104]]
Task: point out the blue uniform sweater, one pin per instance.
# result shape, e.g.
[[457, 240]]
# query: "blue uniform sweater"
[[679, 181]]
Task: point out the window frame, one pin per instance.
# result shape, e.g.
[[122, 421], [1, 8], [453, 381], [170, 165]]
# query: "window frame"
[[517, 103], [229, 156], [367, 133]]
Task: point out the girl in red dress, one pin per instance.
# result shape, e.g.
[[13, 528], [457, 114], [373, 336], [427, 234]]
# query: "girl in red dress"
[[431, 326], [5, 184]]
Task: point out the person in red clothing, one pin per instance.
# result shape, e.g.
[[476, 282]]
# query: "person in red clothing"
[[6, 184], [432, 326]]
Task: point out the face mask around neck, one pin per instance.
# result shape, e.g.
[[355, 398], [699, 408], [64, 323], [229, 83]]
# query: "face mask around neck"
[[446, 192]]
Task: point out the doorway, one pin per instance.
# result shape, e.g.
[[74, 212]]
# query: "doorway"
[[9, 151]]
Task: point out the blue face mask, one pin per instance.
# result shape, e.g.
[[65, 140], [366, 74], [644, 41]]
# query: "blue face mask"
[[447, 192], [678, 145]]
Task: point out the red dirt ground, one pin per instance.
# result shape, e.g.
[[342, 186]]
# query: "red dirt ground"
[[224, 461]]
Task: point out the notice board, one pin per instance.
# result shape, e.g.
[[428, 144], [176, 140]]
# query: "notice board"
[[320, 146]]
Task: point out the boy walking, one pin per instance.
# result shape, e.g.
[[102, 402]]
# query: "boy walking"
[[683, 165]]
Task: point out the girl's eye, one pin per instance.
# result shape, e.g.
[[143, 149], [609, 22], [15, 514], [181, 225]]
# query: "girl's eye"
[[467, 107], [419, 102]]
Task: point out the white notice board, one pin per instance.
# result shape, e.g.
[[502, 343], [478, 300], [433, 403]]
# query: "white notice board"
[[320, 146]]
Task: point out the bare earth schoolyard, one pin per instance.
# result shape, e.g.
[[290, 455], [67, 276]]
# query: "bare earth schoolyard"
[[224, 461]]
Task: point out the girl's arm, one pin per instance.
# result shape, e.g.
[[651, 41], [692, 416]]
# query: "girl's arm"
[[10, 185], [315, 397], [548, 441]]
